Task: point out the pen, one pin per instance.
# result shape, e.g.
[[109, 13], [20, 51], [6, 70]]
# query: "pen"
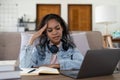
[[31, 70]]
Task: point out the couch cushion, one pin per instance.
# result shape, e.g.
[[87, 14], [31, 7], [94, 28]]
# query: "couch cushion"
[[25, 37], [81, 42], [95, 39], [9, 45]]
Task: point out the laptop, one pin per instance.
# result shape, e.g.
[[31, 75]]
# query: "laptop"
[[96, 63]]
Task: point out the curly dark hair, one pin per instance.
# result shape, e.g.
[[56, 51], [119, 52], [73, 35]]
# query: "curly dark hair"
[[66, 38]]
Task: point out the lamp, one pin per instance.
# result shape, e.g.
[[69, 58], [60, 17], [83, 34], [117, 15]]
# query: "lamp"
[[106, 15]]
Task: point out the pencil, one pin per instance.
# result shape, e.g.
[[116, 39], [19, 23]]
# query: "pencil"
[[31, 70]]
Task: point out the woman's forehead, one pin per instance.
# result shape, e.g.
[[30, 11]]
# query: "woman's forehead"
[[53, 23]]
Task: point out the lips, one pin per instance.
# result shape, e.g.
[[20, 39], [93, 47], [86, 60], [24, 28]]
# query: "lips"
[[56, 37]]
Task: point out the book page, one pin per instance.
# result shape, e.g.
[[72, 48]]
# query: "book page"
[[47, 70], [40, 70], [28, 71]]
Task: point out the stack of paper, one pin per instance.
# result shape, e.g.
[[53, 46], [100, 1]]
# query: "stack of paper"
[[8, 70]]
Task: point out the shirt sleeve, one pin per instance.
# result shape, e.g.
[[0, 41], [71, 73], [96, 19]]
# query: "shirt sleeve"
[[27, 56], [74, 63]]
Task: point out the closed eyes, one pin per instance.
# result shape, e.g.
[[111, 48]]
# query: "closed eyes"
[[56, 28]]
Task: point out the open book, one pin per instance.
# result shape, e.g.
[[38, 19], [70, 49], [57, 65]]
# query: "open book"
[[40, 70]]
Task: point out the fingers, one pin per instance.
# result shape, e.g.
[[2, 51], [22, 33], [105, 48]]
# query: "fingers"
[[37, 34], [43, 28]]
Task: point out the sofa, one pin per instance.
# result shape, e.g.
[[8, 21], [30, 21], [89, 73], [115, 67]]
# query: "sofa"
[[10, 42]]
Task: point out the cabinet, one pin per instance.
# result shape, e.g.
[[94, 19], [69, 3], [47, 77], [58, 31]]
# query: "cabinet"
[[44, 9], [80, 17], [111, 42], [116, 42]]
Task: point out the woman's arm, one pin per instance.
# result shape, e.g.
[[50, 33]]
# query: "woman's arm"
[[26, 56], [51, 65], [73, 63], [54, 66], [29, 53]]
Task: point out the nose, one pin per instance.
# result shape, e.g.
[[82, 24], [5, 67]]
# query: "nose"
[[54, 31]]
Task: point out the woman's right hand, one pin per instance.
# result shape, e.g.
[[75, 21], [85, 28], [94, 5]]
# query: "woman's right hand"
[[37, 34]]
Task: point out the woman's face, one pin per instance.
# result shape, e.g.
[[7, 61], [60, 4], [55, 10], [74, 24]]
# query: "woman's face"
[[54, 31]]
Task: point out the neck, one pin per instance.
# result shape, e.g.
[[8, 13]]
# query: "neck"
[[57, 44]]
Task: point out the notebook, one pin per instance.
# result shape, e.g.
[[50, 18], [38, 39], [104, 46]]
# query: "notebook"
[[96, 63]]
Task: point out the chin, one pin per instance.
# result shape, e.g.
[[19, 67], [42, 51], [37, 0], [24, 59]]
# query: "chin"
[[56, 42]]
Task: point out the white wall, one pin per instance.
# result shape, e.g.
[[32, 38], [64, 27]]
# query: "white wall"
[[28, 7]]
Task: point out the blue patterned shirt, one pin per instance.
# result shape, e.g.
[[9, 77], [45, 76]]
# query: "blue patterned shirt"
[[32, 56]]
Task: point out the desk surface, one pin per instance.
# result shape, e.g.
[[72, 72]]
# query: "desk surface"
[[115, 76]]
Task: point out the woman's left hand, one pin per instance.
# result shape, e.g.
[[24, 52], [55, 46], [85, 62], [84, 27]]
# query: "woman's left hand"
[[51, 65], [54, 65]]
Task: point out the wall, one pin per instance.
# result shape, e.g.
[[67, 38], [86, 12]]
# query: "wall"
[[28, 7]]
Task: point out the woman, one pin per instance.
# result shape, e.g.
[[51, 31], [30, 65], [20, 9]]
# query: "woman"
[[55, 48]]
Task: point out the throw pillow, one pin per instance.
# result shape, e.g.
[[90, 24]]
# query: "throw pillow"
[[81, 42], [25, 37]]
